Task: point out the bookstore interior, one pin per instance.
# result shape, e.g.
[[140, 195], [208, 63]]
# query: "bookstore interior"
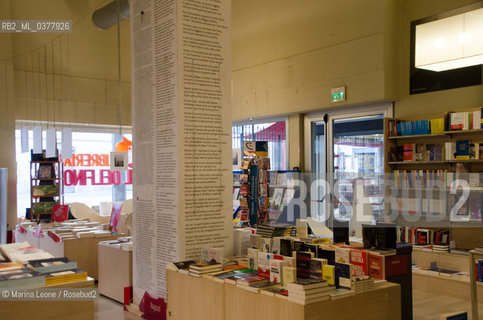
[[220, 159]]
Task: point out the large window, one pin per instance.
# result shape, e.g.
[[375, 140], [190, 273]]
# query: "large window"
[[92, 190], [274, 131]]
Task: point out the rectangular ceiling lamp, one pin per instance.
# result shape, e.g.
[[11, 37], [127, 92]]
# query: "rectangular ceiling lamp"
[[450, 43]]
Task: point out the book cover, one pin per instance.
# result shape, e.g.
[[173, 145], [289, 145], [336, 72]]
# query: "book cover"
[[343, 275], [327, 254], [395, 265], [376, 266], [342, 255], [462, 150], [408, 152], [252, 258], [276, 245], [52, 265], [264, 264], [420, 152], [303, 264], [289, 275], [475, 207], [286, 247], [276, 270], [266, 245], [316, 266], [359, 263], [328, 274], [255, 241], [290, 261], [457, 120], [45, 172]]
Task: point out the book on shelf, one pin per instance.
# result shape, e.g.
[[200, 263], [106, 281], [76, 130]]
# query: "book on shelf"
[[462, 150], [45, 190], [43, 207], [44, 172]]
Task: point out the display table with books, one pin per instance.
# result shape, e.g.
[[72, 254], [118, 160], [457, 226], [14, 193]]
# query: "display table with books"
[[212, 300], [72, 240], [24, 267]]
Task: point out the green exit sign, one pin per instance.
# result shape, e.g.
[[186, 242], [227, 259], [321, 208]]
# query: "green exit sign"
[[337, 94]]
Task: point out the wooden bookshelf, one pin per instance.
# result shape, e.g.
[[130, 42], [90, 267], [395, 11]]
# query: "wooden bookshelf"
[[45, 173], [466, 234]]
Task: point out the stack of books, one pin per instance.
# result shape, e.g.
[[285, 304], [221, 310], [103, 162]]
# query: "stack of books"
[[305, 291], [198, 269], [362, 285], [52, 265], [440, 248], [340, 293], [61, 277], [58, 270], [23, 278], [23, 252], [267, 231]]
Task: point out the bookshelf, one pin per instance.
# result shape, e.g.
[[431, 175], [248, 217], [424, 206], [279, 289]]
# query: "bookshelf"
[[46, 187], [429, 154]]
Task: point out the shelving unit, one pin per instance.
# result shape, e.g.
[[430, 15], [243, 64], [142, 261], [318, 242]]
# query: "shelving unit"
[[464, 232], [46, 186]]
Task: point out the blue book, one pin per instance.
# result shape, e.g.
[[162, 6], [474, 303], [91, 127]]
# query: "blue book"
[[462, 150], [342, 275], [480, 275]]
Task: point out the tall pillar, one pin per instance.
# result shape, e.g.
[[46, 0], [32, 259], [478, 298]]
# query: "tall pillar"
[[181, 110]]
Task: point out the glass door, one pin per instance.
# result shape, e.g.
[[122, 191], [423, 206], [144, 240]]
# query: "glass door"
[[318, 177], [357, 170]]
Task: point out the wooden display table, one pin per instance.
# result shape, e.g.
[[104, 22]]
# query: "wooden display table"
[[198, 298], [48, 310], [115, 270], [81, 250]]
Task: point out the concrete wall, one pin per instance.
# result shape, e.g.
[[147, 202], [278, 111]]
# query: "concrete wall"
[[7, 123], [432, 102], [288, 54]]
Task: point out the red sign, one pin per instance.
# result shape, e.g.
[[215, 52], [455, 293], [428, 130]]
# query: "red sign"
[[115, 216], [95, 177], [60, 212]]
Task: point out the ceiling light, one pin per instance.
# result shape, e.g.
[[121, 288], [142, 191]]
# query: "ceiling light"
[[450, 43]]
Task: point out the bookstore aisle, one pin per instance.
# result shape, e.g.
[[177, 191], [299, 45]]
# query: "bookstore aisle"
[[426, 305]]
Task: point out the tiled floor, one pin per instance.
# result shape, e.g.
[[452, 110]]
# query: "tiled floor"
[[107, 309], [426, 307]]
